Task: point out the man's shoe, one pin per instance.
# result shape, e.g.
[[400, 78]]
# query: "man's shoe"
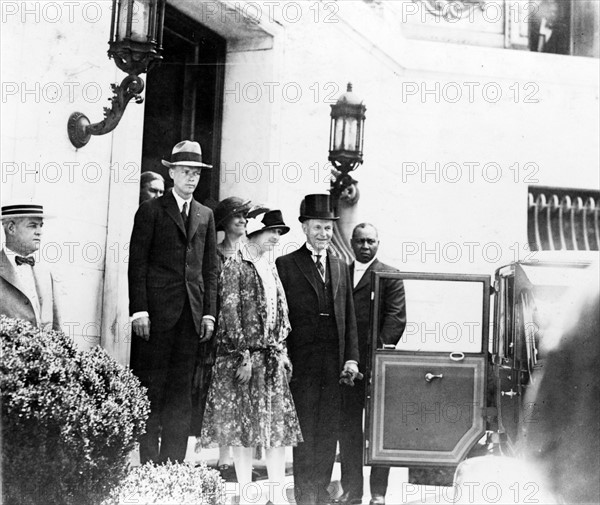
[[377, 499], [349, 499]]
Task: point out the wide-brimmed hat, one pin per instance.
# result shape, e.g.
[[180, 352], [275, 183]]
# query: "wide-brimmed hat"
[[271, 220], [316, 207], [229, 207], [186, 153], [23, 210]]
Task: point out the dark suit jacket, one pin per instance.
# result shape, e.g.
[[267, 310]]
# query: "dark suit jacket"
[[296, 273], [168, 265], [15, 303], [392, 313]]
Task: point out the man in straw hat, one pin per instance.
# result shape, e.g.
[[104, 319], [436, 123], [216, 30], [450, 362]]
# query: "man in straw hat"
[[28, 288], [172, 301], [322, 345]]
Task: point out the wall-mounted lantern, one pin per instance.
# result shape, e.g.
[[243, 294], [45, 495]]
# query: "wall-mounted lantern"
[[346, 137], [135, 45]]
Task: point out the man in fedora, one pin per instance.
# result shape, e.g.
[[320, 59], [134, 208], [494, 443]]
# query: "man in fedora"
[[28, 288], [172, 301], [321, 345]]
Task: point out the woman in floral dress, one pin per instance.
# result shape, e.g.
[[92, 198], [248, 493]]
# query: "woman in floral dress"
[[249, 401]]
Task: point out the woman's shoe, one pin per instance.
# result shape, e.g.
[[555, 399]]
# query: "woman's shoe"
[[227, 473]]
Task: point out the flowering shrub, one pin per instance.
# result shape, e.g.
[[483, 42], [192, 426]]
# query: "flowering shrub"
[[171, 484], [69, 418]]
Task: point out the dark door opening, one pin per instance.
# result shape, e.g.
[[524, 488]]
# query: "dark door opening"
[[184, 97]]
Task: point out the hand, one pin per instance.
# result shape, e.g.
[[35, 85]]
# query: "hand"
[[244, 372], [287, 366], [350, 373], [208, 326], [141, 327]]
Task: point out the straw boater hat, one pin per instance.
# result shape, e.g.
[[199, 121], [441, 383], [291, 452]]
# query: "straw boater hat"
[[23, 210], [271, 220], [186, 153], [316, 207]]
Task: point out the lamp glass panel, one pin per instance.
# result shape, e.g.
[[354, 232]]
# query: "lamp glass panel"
[[350, 134], [338, 134], [139, 20]]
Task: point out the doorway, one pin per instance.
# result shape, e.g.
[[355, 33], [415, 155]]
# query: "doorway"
[[184, 99]]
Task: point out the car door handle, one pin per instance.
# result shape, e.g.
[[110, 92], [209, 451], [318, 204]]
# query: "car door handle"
[[429, 376]]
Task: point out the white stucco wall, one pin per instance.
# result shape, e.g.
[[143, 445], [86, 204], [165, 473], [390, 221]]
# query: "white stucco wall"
[[54, 63]]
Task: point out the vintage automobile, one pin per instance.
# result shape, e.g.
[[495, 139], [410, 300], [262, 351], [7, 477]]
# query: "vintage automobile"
[[455, 383]]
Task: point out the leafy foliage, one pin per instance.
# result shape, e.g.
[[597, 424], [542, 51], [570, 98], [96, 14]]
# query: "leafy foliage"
[[171, 484], [69, 418]]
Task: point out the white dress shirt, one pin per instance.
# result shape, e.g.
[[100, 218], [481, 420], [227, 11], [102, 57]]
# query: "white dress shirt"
[[180, 201], [322, 257], [360, 269]]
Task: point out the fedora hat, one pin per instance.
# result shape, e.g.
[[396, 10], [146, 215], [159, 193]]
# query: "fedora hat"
[[23, 210], [316, 207], [227, 208], [186, 153], [271, 220]]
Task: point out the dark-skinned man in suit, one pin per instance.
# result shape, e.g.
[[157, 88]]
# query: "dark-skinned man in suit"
[[172, 300], [322, 345], [392, 321]]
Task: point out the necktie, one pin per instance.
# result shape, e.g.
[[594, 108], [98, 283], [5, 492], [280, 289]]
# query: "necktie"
[[320, 266], [21, 260], [184, 215]]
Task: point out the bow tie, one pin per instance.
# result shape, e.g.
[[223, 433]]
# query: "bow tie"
[[20, 260]]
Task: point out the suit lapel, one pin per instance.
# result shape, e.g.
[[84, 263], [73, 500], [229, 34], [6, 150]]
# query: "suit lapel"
[[194, 219], [172, 210], [365, 279], [334, 273], [7, 272], [305, 264]]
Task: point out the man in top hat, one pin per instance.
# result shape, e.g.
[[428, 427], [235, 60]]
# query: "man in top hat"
[[321, 345], [172, 301], [392, 321], [28, 288]]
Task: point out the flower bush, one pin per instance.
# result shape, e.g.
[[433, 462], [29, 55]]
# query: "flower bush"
[[171, 484], [69, 418]]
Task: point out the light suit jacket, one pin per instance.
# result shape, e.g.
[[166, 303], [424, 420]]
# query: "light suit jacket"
[[15, 303]]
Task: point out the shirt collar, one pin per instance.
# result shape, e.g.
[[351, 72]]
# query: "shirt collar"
[[180, 201], [314, 252], [11, 255], [362, 266]]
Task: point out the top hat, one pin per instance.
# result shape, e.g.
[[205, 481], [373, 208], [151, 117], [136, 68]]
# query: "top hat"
[[271, 220], [227, 208], [186, 153], [23, 210], [316, 207]]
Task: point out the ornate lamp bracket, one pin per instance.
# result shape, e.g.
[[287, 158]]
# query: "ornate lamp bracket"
[[79, 128]]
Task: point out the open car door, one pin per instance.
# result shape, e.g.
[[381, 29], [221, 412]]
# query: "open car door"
[[426, 397]]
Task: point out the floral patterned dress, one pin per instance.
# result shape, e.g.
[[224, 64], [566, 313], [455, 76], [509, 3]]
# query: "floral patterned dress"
[[261, 412]]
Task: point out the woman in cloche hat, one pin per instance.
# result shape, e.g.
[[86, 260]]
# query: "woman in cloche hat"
[[249, 402], [230, 217]]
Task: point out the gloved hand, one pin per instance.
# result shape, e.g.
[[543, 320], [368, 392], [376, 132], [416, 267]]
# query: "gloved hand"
[[350, 373]]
